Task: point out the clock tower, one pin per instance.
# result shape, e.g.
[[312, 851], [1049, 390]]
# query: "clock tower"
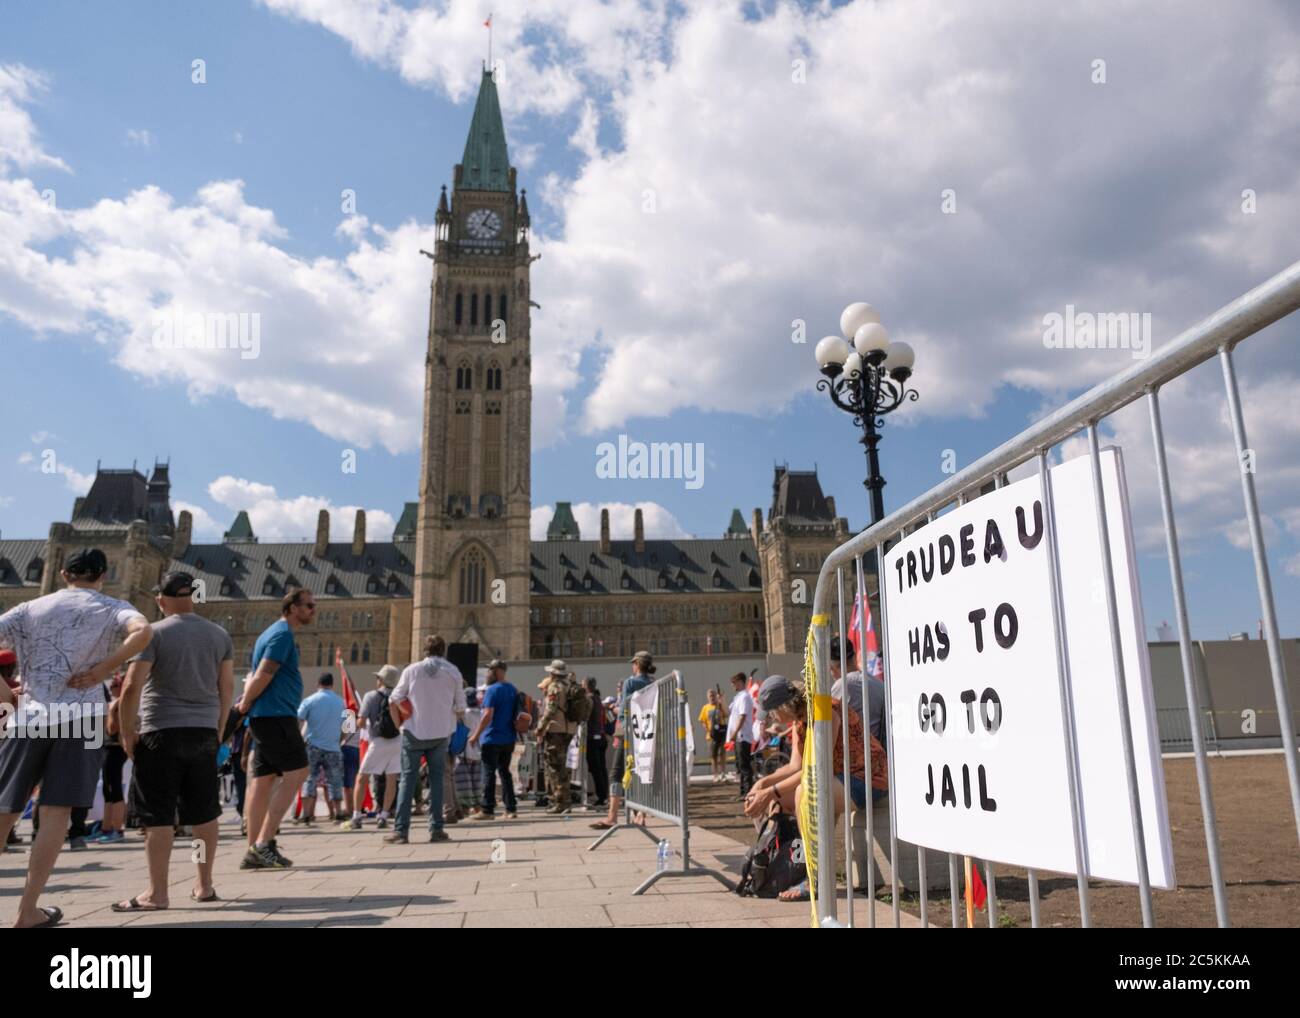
[[472, 565]]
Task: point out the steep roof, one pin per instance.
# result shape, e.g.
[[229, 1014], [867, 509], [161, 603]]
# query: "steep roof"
[[718, 565], [486, 162], [797, 496], [117, 498], [737, 528], [255, 571], [16, 558]]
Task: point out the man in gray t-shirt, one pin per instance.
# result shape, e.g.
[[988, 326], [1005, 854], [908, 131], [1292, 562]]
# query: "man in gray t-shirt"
[[178, 690], [875, 690]]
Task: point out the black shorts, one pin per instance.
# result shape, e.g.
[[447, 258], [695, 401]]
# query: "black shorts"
[[279, 748], [175, 777], [114, 761]]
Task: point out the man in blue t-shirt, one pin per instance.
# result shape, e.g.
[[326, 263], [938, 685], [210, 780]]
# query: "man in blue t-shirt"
[[270, 699], [496, 733], [322, 714]]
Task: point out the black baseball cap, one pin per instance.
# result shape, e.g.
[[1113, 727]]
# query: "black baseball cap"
[[176, 584], [86, 562], [776, 691]]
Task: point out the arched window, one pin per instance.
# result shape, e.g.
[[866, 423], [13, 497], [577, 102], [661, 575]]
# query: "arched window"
[[473, 578], [460, 307], [487, 309], [365, 654], [473, 310], [493, 378], [355, 655], [464, 376], [501, 308], [319, 652]]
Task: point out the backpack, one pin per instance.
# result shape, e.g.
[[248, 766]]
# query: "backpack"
[[775, 862], [387, 727], [577, 703], [523, 715]]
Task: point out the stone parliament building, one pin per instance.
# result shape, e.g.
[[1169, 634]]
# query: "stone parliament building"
[[461, 561]]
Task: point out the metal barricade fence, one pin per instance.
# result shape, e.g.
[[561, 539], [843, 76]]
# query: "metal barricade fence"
[[665, 795], [1175, 727], [1214, 336]]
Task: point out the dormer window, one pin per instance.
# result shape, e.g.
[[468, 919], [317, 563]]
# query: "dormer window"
[[35, 569], [717, 578], [626, 582], [270, 562], [754, 580], [331, 585], [370, 561], [227, 588], [569, 582], [303, 562], [372, 585], [663, 580], [292, 581], [681, 579], [198, 563], [587, 581], [268, 587], [393, 584]]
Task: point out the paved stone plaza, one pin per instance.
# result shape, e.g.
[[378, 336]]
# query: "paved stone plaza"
[[546, 879]]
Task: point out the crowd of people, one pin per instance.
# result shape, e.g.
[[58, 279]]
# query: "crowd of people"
[[89, 683]]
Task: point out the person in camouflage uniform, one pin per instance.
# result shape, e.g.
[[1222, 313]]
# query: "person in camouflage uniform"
[[555, 732]]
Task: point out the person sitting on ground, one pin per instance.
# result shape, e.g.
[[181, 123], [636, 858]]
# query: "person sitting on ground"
[[782, 788]]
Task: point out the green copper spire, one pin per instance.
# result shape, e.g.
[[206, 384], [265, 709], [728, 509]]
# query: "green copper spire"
[[241, 530], [737, 527], [563, 527], [486, 162]]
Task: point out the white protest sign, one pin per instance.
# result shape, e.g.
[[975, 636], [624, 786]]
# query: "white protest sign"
[[643, 707], [979, 745]]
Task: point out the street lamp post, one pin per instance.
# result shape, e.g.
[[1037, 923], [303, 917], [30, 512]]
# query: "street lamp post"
[[866, 375]]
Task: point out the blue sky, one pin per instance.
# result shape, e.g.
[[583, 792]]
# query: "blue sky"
[[775, 200]]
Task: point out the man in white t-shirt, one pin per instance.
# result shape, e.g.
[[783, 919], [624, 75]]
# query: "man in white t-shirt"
[[740, 730], [434, 691], [68, 643]]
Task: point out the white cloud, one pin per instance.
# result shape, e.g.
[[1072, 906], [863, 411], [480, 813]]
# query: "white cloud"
[[19, 87], [293, 519], [206, 526], [139, 137], [658, 521], [1292, 566]]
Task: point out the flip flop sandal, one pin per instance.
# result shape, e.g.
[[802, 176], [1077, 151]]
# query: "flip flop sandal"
[[205, 898], [800, 892], [602, 825], [53, 916], [134, 905]]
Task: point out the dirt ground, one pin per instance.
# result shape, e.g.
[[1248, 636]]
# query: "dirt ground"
[[1257, 836]]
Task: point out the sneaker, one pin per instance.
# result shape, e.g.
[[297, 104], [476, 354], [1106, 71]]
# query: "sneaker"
[[276, 852], [438, 836], [253, 861], [381, 823], [351, 825], [272, 859], [396, 838], [77, 844], [483, 816]]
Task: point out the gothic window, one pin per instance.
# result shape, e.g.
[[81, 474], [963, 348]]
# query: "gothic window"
[[473, 310], [370, 622], [464, 376], [473, 578], [365, 654], [319, 652], [501, 308], [487, 309], [355, 655], [460, 307], [493, 376]]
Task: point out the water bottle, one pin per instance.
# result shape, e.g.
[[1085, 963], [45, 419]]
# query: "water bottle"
[[664, 850]]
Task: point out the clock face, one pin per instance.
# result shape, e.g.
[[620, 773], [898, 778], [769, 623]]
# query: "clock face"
[[483, 224]]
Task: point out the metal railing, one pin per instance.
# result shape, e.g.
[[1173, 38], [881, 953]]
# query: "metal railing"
[[665, 795], [1215, 336], [1175, 727]]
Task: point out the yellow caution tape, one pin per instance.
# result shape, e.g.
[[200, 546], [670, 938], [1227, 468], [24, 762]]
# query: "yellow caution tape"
[[822, 708]]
